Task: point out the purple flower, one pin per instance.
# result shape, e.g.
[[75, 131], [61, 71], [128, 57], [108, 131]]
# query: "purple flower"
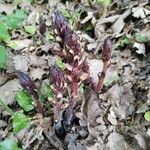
[[57, 80]]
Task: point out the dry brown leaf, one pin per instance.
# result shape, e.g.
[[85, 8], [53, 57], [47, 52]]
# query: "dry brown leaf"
[[21, 62], [36, 73], [122, 100], [20, 44], [117, 142], [140, 12], [95, 68], [119, 24], [7, 8], [91, 111], [9, 90]]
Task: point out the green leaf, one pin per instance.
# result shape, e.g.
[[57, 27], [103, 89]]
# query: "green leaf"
[[125, 41], [24, 100], [65, 13], [9, 145], [49, 36], [60, 64], [3, 57], [14, 20], [20, 1], [141, 38], [147, 115], [17, 2], [4, 35], [20, 121], [46, 90], [30, 29], [105, 2], [13, 44]]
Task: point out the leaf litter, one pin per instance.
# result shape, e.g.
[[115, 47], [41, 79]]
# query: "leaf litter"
[[107, 119]]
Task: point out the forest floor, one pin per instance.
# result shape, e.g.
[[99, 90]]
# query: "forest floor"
[[121, 111]]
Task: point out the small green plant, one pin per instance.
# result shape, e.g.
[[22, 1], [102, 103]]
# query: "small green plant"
[[124, 42], [8, 144], [19, 119]]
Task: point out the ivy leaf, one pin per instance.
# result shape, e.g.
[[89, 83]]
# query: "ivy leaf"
[[24, 100], [9, 145], [14, 20], [105, 2], [20, 121], [30, 29], [3, 57], [4, 35], [147, 115], [60, 64]]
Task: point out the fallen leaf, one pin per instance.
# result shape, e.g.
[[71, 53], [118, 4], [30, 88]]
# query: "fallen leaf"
[[19, 44], [95, 68], [9, 90], [21, 62], [119, 24], [30, 29], [122, 100], [37, 73], [117, 142], [140, 12], [36, 61], [140, 48], [7, 8], [91, 111]]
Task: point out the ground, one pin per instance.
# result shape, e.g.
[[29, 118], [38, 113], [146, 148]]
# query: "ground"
[[116, 118]]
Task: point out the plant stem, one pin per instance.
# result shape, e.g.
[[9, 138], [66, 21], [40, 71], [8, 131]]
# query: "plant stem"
[[102, 77]]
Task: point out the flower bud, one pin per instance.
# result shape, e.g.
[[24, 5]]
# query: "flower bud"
[[107, 50], [26, 82]]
